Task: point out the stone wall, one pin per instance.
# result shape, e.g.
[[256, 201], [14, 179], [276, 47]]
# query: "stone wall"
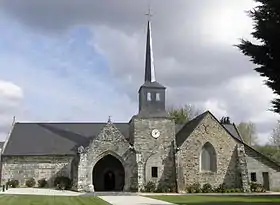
[[153, 152], [258, 164], [110, 141], [24, 167], [188, 157]]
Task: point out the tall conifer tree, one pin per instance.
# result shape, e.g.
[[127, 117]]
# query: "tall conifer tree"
[[266, 52]]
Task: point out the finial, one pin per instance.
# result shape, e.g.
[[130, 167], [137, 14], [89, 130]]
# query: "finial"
[[149, 14], [109, 119]]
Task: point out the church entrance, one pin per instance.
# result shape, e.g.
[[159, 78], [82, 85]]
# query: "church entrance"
[[108, 174]]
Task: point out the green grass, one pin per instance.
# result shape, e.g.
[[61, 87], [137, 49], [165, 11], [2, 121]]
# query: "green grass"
[[220, 200], [50, 200]]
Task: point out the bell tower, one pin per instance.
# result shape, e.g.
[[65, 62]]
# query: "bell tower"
[[151, 93], [152, 130]]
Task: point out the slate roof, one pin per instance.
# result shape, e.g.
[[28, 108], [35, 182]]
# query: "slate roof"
[[187, 129], [154, 84], [183, 131], [35, 139], [231, 128], [1, 145], [54, 138]]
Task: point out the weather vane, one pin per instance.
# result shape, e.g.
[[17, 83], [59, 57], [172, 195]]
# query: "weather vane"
[[149, 14]]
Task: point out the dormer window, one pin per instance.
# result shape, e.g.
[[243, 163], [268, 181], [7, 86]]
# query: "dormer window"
[[157, 97], [149, 96]]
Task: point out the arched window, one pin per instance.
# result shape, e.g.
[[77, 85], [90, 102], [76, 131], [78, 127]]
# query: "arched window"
[[208, 158]]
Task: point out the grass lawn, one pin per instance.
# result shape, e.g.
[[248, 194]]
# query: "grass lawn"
[[50, 200], [220, 200]]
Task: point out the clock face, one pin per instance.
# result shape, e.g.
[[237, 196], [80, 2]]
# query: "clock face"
[[155, 133]]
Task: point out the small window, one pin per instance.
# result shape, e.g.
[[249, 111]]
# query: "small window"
[[149, 97], [157, 97], [253, 177], [154, 172]]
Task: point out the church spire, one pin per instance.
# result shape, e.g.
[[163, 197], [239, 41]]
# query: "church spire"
[[149, 66]]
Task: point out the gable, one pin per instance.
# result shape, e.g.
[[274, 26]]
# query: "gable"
[[190, 126], [54, 138], [110, 133], [187, 129]]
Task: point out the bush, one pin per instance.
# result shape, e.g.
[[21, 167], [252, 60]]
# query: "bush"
[[30, 182], [238, 190], [166, 188], [255, 187], [150, 187], [63, 183], [42, 183], [194, 188], [220, 189], [13, 183], [207, 188]]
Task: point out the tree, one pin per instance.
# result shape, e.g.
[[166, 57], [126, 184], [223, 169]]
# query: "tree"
[[270, 151], [247, 131], [266, 52], [275, 136], [183, 114]]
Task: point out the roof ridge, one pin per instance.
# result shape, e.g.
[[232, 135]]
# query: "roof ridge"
[[40, 122]]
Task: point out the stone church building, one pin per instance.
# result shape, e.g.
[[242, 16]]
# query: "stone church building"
[[115, 156]]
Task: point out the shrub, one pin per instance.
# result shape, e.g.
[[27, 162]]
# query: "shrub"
[[207, 188], [165, 188], [255, 187], [30, 182], [238, 190], [150, 187], [220, 189], [194, 188], [42, 183], [63, 183], [13, 183]]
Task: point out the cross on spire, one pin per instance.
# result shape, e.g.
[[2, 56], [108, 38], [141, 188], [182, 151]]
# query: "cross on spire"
[[149, 14]]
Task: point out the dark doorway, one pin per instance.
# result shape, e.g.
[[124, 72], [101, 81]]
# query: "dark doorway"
[[108, 174], [109, 181], [266, 180]]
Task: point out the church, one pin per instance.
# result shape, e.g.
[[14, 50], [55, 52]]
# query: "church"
[[112, 156]]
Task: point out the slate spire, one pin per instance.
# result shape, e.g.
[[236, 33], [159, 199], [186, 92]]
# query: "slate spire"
[[149, 66]]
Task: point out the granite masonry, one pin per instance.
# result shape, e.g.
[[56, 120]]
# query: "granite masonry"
[[114, 156]]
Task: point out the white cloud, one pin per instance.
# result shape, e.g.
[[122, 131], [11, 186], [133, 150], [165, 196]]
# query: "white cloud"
[[10, 91], [11, 96], [217, 107]]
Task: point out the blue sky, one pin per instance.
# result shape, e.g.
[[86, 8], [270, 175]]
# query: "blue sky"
[[62, 77]]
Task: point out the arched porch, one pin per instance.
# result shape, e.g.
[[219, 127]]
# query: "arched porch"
[[108, 174]]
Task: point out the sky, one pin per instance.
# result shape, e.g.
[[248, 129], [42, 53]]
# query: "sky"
[[82, 61]]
